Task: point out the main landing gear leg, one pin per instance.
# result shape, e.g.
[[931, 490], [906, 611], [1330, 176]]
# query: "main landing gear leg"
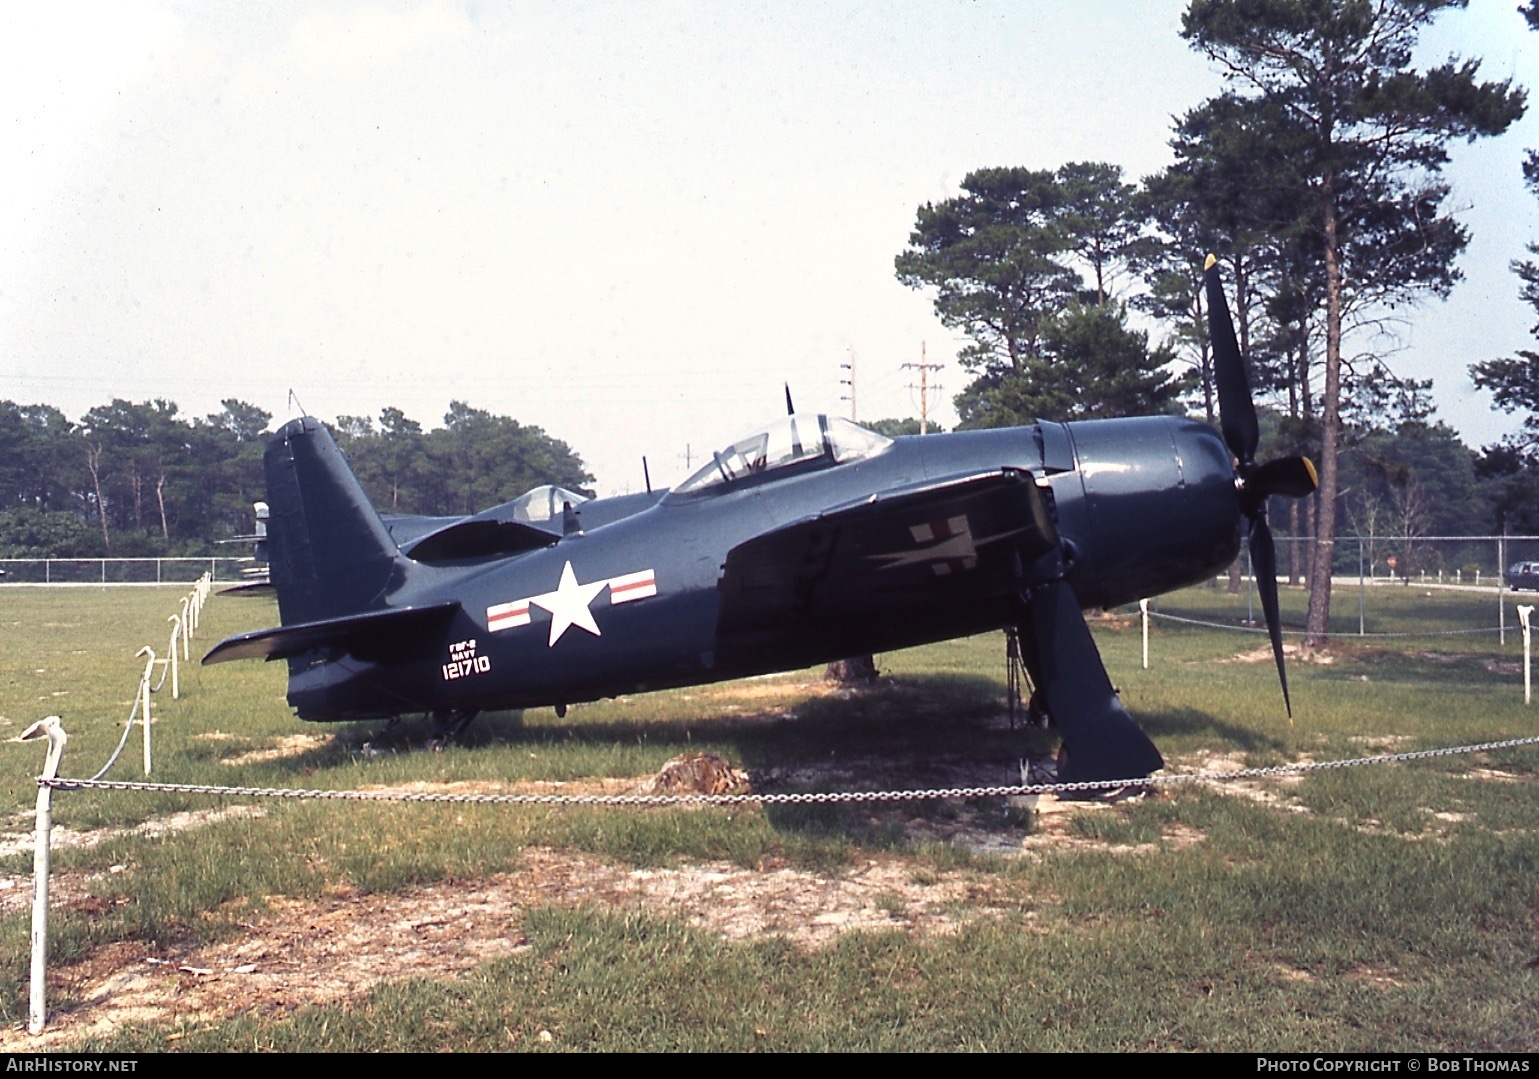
[[448, 725], [1103, 743], [1022, 682]]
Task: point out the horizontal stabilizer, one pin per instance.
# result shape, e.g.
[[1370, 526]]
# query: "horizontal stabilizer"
[[257, 587], [375, 636]]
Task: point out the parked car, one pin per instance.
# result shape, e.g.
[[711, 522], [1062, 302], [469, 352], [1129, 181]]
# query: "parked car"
[[1523, 577]]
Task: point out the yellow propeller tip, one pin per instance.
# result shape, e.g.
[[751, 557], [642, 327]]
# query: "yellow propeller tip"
[[1314, 476], [1208, 265]]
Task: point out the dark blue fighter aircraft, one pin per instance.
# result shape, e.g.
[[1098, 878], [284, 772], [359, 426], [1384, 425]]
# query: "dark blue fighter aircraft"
[[805, 542]]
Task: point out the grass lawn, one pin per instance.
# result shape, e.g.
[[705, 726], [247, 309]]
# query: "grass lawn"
[[1380, 908]]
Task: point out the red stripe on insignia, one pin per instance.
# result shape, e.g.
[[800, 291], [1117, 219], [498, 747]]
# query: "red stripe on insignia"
[[507, 615], [632, 586]]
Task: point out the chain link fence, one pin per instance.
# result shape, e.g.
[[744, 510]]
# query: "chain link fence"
[[111, 571], [1477, 561], [1382, 586]]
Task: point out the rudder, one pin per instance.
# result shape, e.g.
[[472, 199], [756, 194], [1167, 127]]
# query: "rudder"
[[329, 553]]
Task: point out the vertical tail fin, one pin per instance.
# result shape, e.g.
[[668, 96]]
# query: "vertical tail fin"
[[329, 552]]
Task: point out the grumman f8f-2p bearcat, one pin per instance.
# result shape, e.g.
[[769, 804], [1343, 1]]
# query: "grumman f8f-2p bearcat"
[[810, 540]]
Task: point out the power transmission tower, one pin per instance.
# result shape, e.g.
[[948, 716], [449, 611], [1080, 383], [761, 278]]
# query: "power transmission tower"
[[924, 387]]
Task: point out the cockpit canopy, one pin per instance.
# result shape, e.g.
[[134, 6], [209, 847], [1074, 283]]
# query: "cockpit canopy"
[[543, 504], [790, 445]]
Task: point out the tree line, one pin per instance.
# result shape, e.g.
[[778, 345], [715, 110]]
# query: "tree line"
[[136, 479], [1316, 178]]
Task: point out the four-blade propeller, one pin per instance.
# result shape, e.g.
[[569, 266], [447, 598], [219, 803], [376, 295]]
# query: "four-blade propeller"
[[1291, 477]]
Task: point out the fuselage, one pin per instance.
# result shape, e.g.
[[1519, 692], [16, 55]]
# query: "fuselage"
[[631, 601]]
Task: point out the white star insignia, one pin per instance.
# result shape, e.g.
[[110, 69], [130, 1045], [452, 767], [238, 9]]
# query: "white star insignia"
[[568, 604]]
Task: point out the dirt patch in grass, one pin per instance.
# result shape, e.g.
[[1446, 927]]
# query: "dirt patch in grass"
[[1293, 653], [1437, 659], [1379, 979], [1382, 743], [1428, 658], [1507, 668], [293, 745], [17, 843], [1489, 664], [300, 952], [807, 908], [1494, 774], [1056, 826], [1273, 791], [1264, 791], [73, 890], [1113, 620]]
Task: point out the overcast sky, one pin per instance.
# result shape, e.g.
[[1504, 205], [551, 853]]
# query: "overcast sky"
[[627, 223]]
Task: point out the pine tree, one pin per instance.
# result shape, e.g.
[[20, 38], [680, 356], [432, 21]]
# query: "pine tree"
[[1368, 140]]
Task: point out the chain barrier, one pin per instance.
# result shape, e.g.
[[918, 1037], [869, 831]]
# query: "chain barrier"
[[48, 783], [829, 797], [1300, 633]]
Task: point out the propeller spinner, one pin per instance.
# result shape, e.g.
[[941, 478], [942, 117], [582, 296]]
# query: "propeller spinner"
[[1291, 477]]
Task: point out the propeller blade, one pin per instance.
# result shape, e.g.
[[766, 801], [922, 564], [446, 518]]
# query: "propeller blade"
[[1263, 564], [1236, 410], [1291, 477]]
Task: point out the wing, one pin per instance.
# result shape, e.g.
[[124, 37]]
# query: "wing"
[[915, 564], [940, 560]]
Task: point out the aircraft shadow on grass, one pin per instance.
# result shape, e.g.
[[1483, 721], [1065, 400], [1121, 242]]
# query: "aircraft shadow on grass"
[[1214, 731], [917, 732], [937, 715]]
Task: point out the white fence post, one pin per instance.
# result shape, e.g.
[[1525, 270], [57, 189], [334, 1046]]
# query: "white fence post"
[[1528, 684], [176, 629], [199, 591], [1501, 587], [144, 700], [1143, 609], [44, 728]]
